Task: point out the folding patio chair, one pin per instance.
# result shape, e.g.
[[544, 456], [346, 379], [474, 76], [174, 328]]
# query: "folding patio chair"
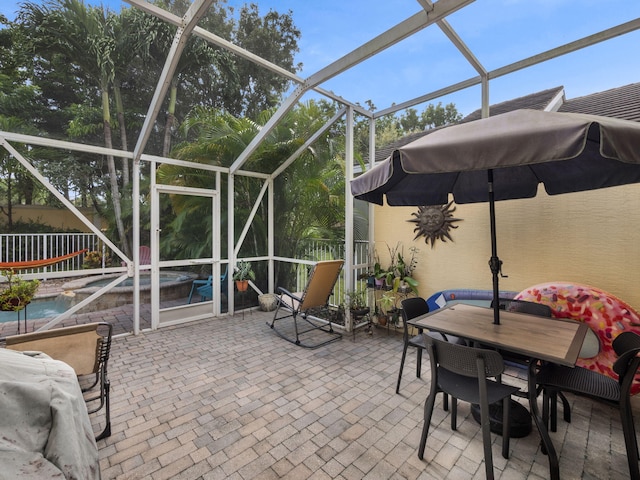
[[86, 349], [316, 294]]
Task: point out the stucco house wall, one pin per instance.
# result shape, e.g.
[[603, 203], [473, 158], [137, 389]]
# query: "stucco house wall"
[[591, 238], [56, 217]]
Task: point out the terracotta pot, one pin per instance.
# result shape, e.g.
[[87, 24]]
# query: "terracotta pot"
[[382, 320], [242, 285]]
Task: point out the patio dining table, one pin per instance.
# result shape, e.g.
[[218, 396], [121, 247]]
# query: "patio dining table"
[[537, 338]]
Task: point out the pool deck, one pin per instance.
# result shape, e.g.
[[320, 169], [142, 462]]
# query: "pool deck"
[[226, 398]]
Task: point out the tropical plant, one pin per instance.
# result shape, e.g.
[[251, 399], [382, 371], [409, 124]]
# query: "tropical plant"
[[93, 259], [356, 299], [387, 302], [244, 271], [404, 271], [18, 292]]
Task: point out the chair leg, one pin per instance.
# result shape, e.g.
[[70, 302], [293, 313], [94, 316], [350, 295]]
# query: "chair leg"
[[566, 408], [486, 438], [419, 363], [545, 407], [630, 440], [506, 426], [553, 406], [428, 412], [454, 413], [404, 355], [107, 428]]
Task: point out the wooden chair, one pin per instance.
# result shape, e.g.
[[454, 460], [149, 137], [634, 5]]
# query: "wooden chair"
[[296, 306], [86, 349], [464, 373]]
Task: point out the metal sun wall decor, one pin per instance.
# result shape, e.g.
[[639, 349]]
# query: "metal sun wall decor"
[[434, 222]]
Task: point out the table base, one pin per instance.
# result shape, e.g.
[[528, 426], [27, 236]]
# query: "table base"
[[520, 419]]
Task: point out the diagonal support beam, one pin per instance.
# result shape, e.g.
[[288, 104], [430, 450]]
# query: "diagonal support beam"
[[287, 105], [309, 142], [404, 29], [195, 12]]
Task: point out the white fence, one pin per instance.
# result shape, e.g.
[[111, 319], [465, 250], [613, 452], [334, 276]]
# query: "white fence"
[[317, 250], [42, 246]]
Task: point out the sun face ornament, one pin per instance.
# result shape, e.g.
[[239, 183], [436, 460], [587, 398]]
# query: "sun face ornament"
[[434, 222]]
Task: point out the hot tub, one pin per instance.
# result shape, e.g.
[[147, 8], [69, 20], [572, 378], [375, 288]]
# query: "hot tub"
[[173, 285]]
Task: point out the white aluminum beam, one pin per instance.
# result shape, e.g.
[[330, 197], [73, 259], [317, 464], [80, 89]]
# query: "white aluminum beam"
[[221, 42], [588, 41], [404, 29], [188, 23], [309, 142], [455, 39], [287, 105]]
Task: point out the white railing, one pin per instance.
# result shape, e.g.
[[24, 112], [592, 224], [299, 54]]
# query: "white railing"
[[41, 246], [317, 250]]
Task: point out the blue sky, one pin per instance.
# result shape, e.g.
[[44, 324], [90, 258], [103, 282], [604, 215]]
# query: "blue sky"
[[498, 32]]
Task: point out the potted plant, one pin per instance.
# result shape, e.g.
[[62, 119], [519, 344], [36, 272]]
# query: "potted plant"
[[403, 280], [242, 274], [18, 292], [387, 303], [357, 302]]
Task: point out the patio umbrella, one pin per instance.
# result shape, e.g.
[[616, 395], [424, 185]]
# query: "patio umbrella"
[[506, 157]]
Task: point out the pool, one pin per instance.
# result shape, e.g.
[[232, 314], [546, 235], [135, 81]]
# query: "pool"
[[46, 307]]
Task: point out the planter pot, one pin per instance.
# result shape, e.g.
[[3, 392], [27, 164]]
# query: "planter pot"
[[13, 305], [382, 320], [242, 285], [359, 312], [379, 283], [268, 302]]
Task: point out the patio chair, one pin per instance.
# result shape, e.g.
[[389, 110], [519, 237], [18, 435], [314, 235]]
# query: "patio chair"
[[554, 379], [86, 349], [144, 254], [520, 361], [412, 308], [296, 306], [464, 373], [204, 288]]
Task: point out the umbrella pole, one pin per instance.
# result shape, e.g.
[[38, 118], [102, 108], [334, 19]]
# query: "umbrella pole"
[[495, 264]]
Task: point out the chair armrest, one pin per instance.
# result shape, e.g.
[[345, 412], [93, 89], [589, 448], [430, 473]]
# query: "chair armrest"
[[286, 292]]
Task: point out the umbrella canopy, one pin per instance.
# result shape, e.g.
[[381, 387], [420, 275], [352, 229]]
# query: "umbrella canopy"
[[506, 157]]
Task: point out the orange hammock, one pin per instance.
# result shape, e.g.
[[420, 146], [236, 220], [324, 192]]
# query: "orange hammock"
[[38, 263]]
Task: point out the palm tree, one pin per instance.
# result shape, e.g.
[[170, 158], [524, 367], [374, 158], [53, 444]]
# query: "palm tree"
[[85, 37], [309, 200]]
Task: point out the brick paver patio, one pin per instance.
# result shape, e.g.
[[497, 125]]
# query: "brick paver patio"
[[228, 399]]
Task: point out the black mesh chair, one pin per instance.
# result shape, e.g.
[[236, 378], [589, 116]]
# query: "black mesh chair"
[[524, 306], [555, 379], [464, 373], [412, 308], [531, 308]]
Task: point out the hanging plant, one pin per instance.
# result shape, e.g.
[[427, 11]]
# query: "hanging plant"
[[18, 292]]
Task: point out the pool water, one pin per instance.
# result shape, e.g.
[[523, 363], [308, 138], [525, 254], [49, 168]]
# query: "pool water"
[[36, 309]]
